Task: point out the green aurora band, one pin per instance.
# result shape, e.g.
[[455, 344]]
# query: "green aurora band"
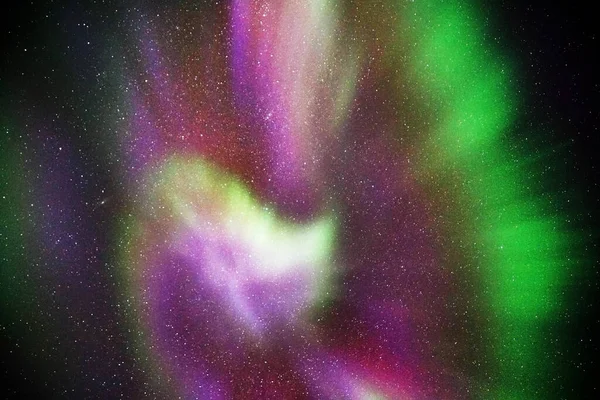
[[522, 251]]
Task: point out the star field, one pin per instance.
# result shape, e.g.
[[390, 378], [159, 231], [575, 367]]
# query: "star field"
[[288, 200]]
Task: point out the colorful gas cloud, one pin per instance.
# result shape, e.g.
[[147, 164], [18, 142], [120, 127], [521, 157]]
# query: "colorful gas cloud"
[[318, 200]]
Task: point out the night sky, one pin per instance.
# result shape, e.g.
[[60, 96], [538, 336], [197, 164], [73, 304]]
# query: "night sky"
[[311, 199]]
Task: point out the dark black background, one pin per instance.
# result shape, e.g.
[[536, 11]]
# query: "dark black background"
[[555, 44]]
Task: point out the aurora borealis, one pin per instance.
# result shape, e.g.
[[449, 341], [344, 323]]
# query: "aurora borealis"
[[313, 199]]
